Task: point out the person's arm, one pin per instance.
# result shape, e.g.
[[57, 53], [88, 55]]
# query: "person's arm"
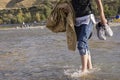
[[101, 11]]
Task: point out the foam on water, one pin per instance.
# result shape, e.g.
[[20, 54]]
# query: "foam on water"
[[75, 73]]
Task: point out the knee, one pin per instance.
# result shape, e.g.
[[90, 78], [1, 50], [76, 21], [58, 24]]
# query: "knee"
[[82, 47], [82, 52]]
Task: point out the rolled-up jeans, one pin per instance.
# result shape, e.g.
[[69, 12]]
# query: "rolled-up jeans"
[[83, 33]]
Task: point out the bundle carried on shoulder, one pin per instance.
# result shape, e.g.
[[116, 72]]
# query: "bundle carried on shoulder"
[[62, 19], [56, 20]]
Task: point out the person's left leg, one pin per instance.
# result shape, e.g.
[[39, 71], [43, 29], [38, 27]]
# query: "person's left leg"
[[84, 61], [90, 29], [89, 63]]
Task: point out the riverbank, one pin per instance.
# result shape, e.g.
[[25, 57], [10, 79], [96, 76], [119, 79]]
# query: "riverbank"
[[113, 24], [14, 28]]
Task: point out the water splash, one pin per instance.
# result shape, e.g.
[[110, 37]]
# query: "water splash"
[[75, 73]]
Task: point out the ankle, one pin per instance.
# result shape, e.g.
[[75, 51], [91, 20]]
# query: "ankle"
[[90, 67]]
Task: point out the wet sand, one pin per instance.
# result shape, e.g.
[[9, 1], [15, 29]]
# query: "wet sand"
[[39, 54]]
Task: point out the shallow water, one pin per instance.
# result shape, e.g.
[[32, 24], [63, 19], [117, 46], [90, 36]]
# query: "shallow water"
[[38, 54]]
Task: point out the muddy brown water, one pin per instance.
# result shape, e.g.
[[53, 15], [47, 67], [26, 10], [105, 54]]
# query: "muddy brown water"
[[39, 54]]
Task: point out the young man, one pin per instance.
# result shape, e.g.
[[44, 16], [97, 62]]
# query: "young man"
[[84, 23]]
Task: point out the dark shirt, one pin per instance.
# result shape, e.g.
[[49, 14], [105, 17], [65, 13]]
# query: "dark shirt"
[[82, 7]]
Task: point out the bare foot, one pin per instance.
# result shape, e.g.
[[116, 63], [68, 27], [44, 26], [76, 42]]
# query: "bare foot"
[[83, 73], [90, 68], [79, 73]]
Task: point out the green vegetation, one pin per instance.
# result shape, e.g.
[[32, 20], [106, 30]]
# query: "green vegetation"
[[111, 7], [27, 14], [31, 14], [42, 8]]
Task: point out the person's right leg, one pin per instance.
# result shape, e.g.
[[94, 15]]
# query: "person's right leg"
[[83, 47], [83, 33], [84, 61]]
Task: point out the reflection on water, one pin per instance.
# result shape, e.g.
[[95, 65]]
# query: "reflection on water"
[[35, 54]]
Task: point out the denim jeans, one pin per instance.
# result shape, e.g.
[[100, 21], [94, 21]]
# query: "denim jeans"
[[83, 33]]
